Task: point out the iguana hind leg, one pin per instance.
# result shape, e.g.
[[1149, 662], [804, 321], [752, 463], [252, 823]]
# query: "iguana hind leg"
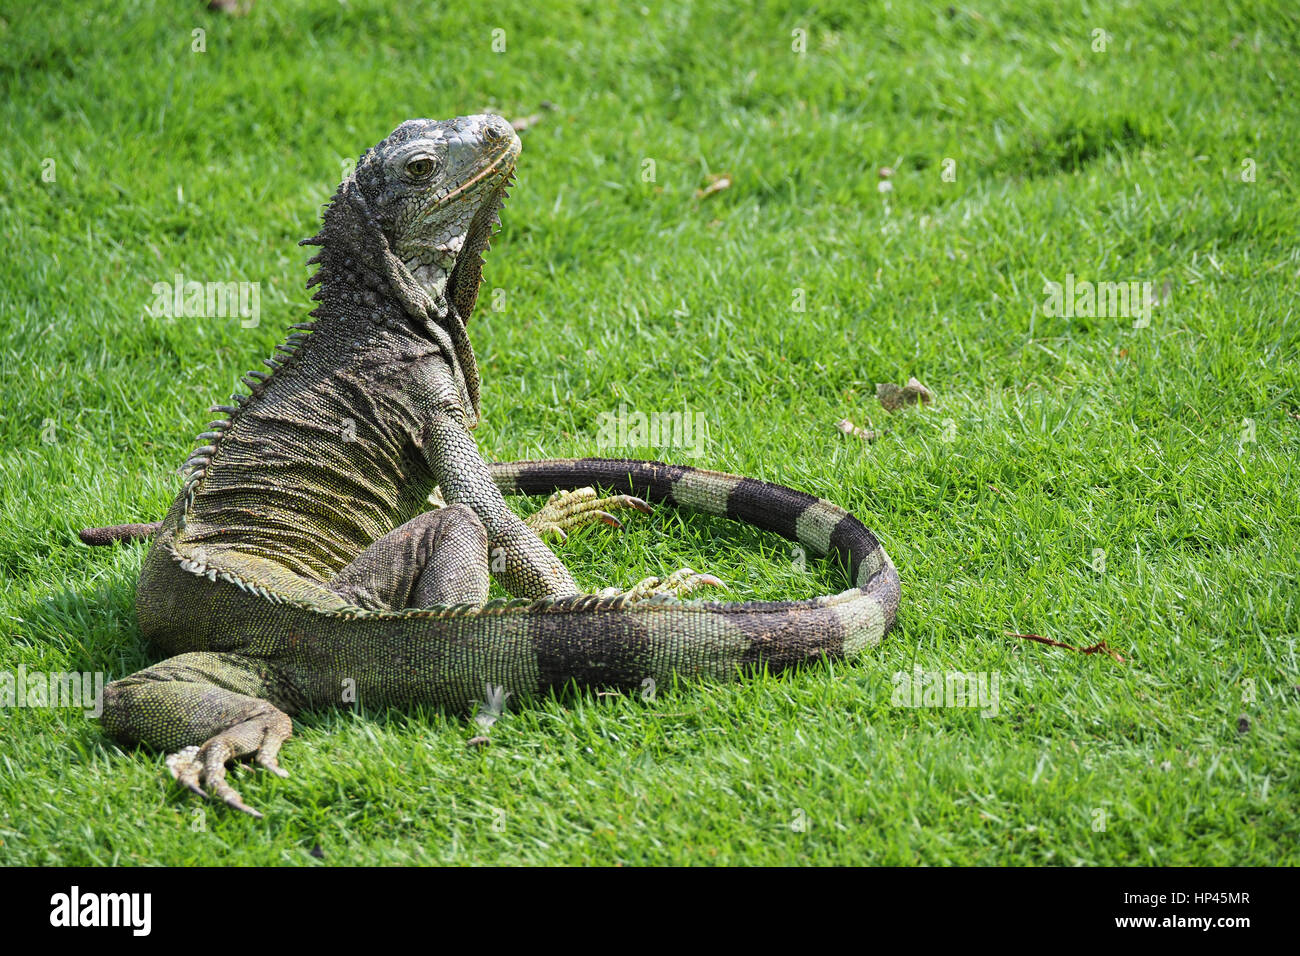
[[205, 709], [439, 557]]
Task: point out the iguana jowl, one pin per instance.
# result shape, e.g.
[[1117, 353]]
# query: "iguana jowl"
[[300, 560]]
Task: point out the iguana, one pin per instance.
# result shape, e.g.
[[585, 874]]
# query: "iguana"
[[301, 563]]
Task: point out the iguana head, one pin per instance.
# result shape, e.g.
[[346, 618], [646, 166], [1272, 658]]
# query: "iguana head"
[[434, 189]]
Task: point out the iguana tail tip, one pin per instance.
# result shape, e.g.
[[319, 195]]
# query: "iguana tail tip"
[[102, 537]]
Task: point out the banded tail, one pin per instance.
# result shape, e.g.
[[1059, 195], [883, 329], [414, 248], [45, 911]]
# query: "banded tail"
[[779, 633], [697, 637]]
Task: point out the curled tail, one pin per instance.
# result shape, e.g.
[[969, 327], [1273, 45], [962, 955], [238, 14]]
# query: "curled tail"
[[779, 633], [530, 646]]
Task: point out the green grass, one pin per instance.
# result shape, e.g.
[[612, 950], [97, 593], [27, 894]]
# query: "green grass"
[[1051, 437]]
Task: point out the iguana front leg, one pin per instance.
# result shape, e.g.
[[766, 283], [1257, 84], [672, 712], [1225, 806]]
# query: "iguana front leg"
[[518, 558]]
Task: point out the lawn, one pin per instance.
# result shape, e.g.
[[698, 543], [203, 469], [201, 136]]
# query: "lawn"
[[755, 217]]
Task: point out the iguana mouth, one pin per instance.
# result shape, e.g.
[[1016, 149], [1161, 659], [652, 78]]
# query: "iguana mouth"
[[501, 168]]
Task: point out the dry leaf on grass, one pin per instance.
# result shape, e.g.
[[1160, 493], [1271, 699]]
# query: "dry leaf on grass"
[[531, 120], [716, 185], [866, 434], [894, 397], [236, 8]]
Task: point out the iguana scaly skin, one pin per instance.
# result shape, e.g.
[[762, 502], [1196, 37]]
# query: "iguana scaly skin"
[[300, 567]]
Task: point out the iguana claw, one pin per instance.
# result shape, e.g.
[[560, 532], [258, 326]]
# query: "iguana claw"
[[191, 771], [193, 767], [566, 510], [676, 585]]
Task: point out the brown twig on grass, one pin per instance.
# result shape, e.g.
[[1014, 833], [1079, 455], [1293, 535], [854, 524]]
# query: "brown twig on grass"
[[1099, 648]]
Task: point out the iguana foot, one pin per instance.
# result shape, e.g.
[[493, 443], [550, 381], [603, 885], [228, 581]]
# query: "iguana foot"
[[676, 585], [195, 766], [565, 511]]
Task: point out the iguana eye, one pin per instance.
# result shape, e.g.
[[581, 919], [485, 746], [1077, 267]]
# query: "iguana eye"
[[420, 168]]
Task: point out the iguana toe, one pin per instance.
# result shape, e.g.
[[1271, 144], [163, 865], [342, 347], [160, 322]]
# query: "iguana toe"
[[566, 510], [186, 769], [271, 764], [676, 585], [197, 767]]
